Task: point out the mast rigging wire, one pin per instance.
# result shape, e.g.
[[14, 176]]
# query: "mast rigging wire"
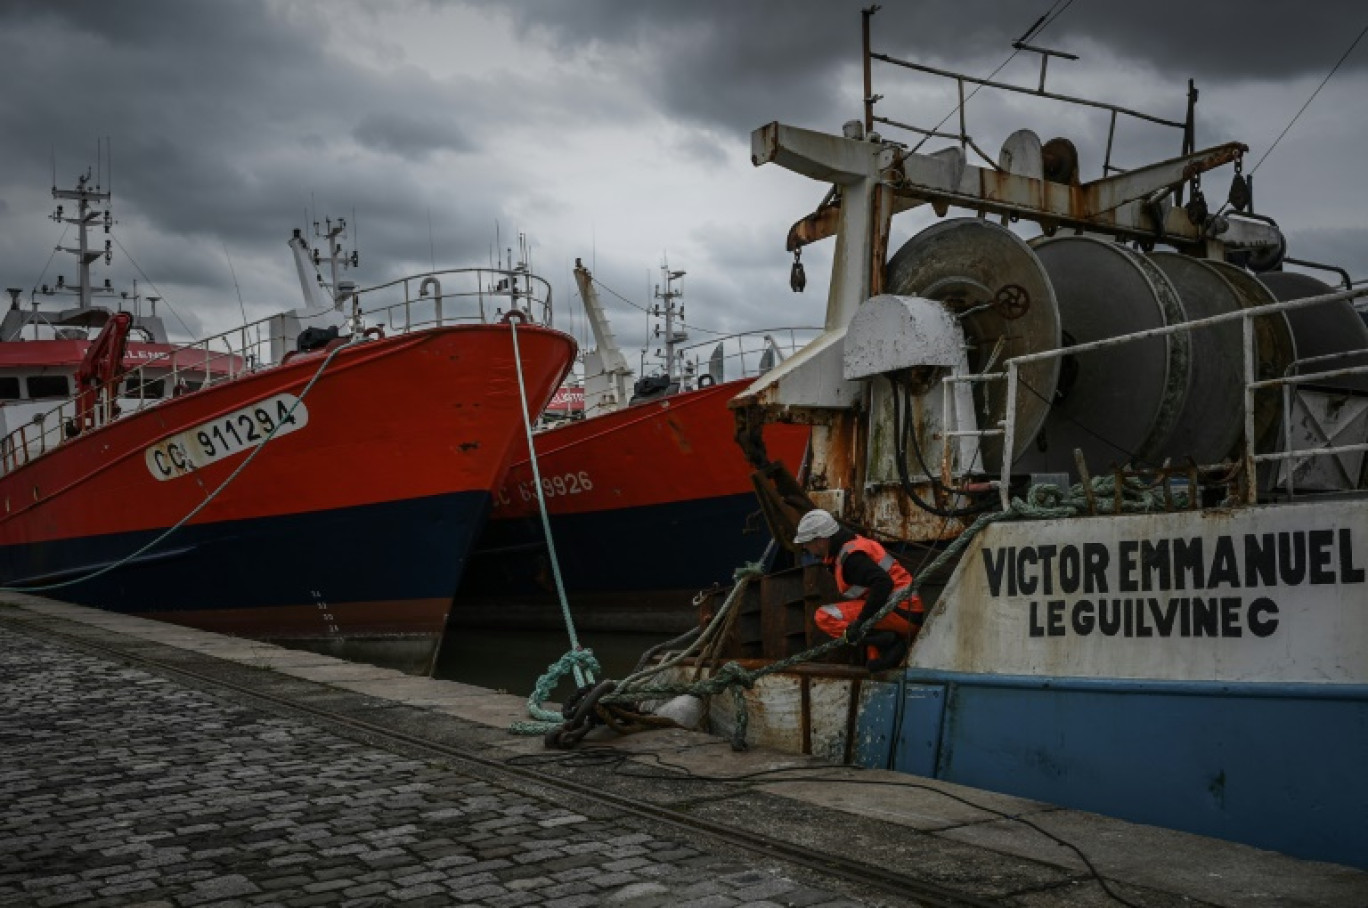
[[1333, 69], [1041, 24]]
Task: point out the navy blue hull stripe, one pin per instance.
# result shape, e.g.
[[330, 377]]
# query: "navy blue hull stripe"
[[400, 550], [683, 545]]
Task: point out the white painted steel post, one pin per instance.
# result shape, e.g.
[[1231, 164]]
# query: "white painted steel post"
[[1251, 471], [965, 419], [1008, 434], [1288, 465], [945, 419]]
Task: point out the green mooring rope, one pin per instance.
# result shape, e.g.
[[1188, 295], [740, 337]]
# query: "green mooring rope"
[[575, 660], [1042, 502]]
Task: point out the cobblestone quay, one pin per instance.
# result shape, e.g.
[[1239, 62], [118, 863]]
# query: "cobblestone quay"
[[147, 764], [121, 787]]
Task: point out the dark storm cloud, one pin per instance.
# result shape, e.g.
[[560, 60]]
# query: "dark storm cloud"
[[234, 120], [224, 118], [1343, 248], [410, 136], [1269, 39], [743, 64]]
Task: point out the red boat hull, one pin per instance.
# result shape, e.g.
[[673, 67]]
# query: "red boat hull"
[[647, 505], [348, 529]]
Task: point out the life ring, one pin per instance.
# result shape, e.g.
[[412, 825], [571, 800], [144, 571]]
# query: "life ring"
[[706, 381], [521, 316]]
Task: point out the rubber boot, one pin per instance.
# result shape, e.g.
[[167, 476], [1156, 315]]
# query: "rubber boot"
[[876, 642], [889, 655]]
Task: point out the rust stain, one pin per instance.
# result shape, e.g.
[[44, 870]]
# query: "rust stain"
[[680, 438], [769, 144], [1224, 154], [881, 215], [817, 226]]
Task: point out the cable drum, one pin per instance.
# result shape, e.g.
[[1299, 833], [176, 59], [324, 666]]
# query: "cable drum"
[[1322, 330], [1120, 404], [988, 276], [1211, 422], [1274, 351]]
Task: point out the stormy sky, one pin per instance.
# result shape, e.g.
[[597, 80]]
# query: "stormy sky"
[[616, 131]]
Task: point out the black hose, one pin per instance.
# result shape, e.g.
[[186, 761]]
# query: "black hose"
[[902, 429], [687, 637]]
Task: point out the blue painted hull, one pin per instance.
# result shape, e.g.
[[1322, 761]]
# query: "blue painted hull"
[[625, 569], [1277, 766]]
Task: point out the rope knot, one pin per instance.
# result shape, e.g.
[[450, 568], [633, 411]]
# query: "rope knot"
[[748, 571], [732, 673]]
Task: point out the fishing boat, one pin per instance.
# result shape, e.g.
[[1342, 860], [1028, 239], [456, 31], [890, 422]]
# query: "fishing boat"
[[648, 499], [1127, 431], [314, 479]]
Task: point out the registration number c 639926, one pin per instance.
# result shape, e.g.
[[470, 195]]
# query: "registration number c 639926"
[[226, 435]]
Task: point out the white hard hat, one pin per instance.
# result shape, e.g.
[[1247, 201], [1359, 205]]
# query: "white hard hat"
[[816, 524]]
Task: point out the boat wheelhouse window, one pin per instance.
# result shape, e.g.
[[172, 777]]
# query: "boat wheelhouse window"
[[40, 386], [145, 388], [9, 387]]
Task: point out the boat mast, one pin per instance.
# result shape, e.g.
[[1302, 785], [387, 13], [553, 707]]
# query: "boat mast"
[[669, 295], [338, 258], [87, 214]]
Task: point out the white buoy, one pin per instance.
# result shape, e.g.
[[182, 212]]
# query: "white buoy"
[[686, 710]]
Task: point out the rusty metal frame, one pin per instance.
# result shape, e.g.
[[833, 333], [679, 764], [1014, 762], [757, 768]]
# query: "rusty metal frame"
[[960, 79]]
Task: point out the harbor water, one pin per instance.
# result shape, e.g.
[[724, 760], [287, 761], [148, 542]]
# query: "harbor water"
[[513, 660]]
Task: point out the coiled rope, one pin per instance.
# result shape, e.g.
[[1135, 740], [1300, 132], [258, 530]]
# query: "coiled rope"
[[1041, 502]]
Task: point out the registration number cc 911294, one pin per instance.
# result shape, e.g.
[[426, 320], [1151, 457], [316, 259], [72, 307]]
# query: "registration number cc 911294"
[[226, 435]]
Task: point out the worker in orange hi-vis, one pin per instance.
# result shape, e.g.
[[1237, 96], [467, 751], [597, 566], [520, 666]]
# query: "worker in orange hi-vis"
[[867, 576]]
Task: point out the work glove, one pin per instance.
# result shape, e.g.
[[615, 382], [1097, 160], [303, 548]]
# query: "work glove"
[[855, 632]]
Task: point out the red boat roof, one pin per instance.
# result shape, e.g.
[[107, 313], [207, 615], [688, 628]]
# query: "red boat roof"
[[67, 354]]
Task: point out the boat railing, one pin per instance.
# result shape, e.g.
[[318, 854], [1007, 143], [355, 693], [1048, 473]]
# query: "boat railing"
[[746, 354], [1010, 373], [37, 437], [184, 368], [454, 296], [1289, 383], [409, 304], [963, 136]]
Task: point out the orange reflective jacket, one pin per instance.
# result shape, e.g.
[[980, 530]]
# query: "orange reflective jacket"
[[879, 555], [902, 578]]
